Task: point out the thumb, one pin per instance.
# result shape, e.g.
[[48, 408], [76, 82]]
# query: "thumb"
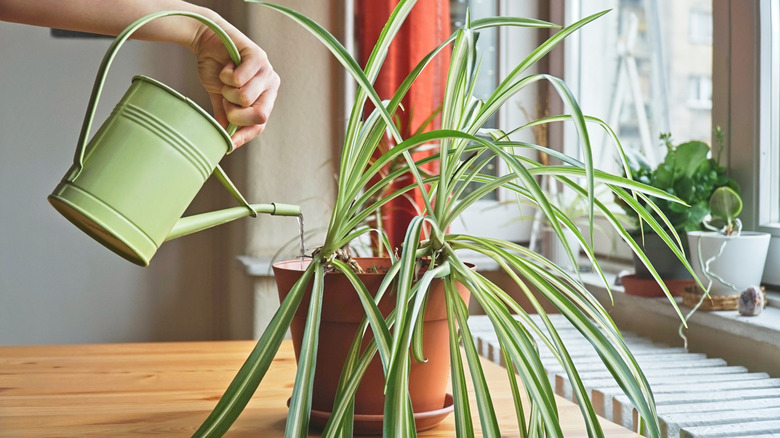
[[246, 133]]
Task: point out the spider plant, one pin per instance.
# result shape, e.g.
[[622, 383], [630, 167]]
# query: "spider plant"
[[461, 139]]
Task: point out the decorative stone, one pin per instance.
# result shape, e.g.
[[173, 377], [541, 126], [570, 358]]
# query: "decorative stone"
[[751, 301]]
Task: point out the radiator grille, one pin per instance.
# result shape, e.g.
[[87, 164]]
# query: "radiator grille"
[[696, 396]]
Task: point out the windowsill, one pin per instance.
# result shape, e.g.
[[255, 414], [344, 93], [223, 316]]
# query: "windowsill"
[[764, 327], [752, 341]]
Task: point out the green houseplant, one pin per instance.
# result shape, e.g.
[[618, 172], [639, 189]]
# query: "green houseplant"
[[687, 172], [690, 173], [397, 337]]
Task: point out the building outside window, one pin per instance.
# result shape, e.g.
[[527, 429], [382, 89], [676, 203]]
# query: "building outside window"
[[640, 69], [700, 25]]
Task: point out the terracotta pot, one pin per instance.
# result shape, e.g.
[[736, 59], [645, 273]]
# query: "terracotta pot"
[[342, 312], [649, 288]]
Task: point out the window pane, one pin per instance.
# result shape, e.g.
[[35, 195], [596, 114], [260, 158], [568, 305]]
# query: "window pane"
[[646, 71], [769, 165], [489, 168], [487, 81], [487, 44]]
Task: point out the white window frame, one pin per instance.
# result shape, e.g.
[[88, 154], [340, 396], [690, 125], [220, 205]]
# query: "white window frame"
[[500, 218], [769, 166]]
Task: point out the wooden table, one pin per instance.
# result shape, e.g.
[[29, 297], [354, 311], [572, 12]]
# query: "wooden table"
[[169, 389]]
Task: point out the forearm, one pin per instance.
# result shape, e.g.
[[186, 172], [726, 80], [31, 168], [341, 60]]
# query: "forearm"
[[243, 95], [108, 17]]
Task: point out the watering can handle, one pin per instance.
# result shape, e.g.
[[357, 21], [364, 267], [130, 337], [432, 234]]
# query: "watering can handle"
[[100, 80]]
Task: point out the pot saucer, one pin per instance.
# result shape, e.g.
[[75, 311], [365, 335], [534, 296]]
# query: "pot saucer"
[[368, 424], [648, 287]]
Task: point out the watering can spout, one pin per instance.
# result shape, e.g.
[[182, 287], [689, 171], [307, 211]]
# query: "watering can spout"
[[192, 224]]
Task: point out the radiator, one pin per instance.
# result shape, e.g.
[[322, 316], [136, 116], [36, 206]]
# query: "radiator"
[[696, 396]]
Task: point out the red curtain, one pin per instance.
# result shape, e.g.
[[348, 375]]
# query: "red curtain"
[[427, 26]]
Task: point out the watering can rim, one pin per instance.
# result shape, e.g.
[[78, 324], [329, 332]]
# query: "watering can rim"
[[192, 104]]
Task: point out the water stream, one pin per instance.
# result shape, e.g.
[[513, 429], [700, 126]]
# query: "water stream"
[[300, 230]]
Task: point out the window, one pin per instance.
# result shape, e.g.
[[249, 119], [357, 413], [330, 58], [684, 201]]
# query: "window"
[[769, 137], [644, 75], [700, 26], [700, 92], [640, 69], [487, 46], [487, 81], [769, 170], [647, 68], [497, 216], [746, 86]]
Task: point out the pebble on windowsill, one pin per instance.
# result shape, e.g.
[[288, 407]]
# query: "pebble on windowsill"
[[751, 301]]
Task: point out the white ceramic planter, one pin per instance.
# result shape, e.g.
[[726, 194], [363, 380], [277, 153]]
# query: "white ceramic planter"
[[741, 263]]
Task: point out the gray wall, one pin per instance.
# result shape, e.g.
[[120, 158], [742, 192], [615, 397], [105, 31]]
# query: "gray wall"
[[56, 284], [59, 286], [293, 160]]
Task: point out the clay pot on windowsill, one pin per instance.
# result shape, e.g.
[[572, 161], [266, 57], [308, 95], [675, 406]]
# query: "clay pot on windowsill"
[[661, 257], [669, 267], [649, 288]]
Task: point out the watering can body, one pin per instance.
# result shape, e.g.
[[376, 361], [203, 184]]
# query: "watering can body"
[[130, 185]]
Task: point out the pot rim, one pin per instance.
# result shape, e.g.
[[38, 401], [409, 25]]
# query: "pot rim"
[[715, 234], [300, 265]]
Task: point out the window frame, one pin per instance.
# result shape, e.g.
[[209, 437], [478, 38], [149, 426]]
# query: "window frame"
[[750, 126], [769, 168], [499, 218], [744, 115]]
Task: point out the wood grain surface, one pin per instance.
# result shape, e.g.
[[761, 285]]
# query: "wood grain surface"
[[168, 389]]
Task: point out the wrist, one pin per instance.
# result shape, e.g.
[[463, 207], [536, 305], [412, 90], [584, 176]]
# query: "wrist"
[[200, 29]]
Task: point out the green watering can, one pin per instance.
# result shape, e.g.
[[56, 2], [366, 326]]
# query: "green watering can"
[[129, 187]]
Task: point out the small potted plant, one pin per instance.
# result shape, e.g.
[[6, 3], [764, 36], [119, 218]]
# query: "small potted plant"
[[575, 206], [690, 173], [429, 273], [727, 259], [552, 246]]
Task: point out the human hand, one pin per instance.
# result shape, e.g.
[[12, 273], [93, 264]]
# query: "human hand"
[[243, 95]]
